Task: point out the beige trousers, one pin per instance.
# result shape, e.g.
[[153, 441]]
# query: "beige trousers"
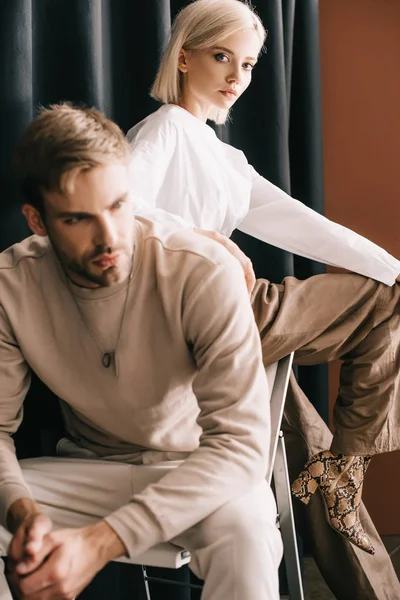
[[236, 550], [357, 320]]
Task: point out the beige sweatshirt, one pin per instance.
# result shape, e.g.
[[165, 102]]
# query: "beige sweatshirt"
[[188, 375]]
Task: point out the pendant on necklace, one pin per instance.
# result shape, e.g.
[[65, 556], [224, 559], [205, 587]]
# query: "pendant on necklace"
[[107, 359]]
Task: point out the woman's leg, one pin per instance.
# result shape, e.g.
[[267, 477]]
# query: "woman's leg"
[[350, 573], [348, 317], [321, 319]]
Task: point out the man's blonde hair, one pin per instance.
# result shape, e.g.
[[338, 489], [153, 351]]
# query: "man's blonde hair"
[[61, 140], [199, 26]]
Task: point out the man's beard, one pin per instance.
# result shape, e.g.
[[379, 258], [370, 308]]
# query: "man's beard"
[[70, 265], [107, 278]]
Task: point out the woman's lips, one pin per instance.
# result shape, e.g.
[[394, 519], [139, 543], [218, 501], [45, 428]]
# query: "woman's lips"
[[229, 94]]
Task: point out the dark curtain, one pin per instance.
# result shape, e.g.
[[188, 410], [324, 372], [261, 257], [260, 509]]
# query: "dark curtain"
[[105, 53]]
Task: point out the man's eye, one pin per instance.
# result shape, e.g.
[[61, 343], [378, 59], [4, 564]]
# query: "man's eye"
[[71, 221], [118, 204]]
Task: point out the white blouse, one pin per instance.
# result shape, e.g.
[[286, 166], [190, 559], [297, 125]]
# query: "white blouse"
[[181, 172]]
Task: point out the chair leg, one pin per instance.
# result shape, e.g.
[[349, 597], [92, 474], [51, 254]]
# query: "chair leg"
[[286, 522], [146, 583]]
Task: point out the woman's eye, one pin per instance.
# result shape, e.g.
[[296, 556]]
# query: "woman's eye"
[[118, 205], [221, 57], [248, 66]]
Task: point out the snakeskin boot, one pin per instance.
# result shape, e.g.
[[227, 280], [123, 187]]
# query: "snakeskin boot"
[[340, 479]]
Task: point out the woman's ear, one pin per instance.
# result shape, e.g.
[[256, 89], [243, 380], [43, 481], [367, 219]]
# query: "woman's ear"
[[183, 60], [34, 220]]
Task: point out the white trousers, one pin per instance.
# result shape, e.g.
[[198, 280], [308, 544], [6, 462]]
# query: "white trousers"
[[236, 550]]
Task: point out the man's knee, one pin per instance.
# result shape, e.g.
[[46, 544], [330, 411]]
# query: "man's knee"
[[248, 519]]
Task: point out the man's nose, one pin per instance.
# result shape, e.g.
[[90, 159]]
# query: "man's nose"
[[106, 234]]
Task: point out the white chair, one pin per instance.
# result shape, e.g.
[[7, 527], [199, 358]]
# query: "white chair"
[[171, 557]]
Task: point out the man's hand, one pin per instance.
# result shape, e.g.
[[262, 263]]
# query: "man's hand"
[[66, 562], [236, 252], [28, 540], [28, 527]]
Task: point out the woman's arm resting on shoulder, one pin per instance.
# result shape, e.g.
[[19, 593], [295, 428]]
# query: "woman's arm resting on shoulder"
[[234, 249]]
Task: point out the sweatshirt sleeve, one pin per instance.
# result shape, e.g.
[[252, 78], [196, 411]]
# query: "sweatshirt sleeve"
[[276, 218], [232, 393], [152, 149], [14, 384]]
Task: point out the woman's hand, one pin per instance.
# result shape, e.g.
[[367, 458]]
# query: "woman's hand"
[[236, 252]]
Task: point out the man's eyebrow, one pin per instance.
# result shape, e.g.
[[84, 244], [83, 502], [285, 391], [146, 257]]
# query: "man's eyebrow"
[[70, 214], [233, 54], [66, 214]]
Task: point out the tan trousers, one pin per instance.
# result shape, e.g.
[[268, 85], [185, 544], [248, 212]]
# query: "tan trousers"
[[236, 550], [357, 320]]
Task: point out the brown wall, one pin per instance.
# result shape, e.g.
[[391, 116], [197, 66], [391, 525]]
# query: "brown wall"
[[360, 67]]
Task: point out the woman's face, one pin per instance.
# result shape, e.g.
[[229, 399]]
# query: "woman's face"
[[217, 76]]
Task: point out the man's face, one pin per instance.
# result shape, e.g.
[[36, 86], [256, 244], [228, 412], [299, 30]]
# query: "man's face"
[[91, 226]]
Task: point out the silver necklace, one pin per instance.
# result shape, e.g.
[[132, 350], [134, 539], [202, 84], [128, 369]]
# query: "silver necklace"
[[107, 358]]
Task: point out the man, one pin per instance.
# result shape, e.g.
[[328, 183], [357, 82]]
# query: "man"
[[133, 325]]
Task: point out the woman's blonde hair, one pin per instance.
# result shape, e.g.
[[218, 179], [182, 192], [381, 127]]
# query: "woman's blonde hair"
[[199, 26]]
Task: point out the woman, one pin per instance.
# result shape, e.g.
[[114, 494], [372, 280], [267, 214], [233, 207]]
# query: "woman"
[[182, 173]]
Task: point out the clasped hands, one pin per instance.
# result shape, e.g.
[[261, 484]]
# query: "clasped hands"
[[44, 564]]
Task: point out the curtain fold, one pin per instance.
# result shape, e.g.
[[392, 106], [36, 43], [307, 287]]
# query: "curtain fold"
[[138, 32], [105, 53], [15, 107], [306, 159]]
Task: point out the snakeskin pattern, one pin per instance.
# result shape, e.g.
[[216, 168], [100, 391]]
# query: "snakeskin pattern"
[[340, 479]]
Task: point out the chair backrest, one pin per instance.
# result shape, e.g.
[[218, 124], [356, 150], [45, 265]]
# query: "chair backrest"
[[278, 379]]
